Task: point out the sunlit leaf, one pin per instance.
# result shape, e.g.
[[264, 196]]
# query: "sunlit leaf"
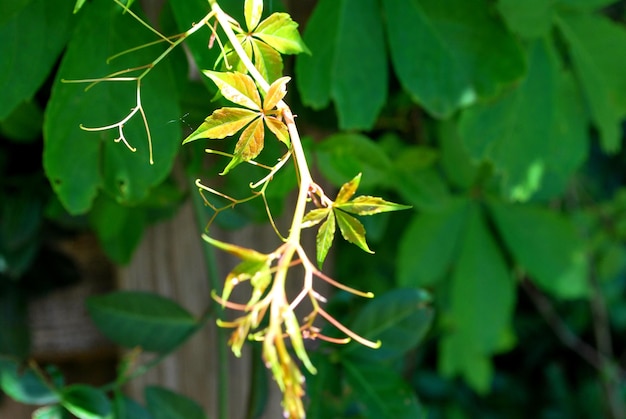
[[237, 87], [222, 123], [279, 129], [86, 402], [369, 205], [253, 9], [240, 252], [315, 216], [275, 93], [352, 230], [348, 189], [249, 145], [325, 236], [246, 270], [281, 32], [267, 60]]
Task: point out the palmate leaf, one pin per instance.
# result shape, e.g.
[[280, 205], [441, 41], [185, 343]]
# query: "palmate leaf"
[[237, 87], [348, 190], [249, 145], [315, 217], [223, 123], [325, 236], [279, 129], [267, 60], [252, 10], [352, 230], [275, 93], [281, 33]]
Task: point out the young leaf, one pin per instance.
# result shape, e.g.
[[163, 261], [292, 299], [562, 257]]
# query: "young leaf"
[[325, 236], [352, 230], [275, 93], [237, 87], [86, 402], [267, 60], [253, 9], [246, 270], [281, 33], [240, 252], [279, 129], [348, 189], [133, 318], [369, 205], [315, 216], [249, 145], [222, 123]]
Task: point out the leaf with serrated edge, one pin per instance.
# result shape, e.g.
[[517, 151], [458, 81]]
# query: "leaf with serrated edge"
[[237, 87], [279, 129], [267, 60], [315, 217], [348, 189], [325, 236], [352, 230], [281, 32], [240, 252], [253, 9], [222, 123], [249, 145], [276, 93], [369, 205]]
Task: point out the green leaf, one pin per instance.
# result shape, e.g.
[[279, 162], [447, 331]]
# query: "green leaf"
[[342, 34], [79, 163], [530, 18], [342, 155], [281, 33], [592, 42], [500, 131], [315, 216], [546, 245], [381, 392], [257, 271], [252, 9], [23, 384], [430, 245], [24, 124], [370, 205], [459, 167], [267, 60], [399, 319], [86, 402], [237, 87], [249, 145], [51, 412], [434, 52], [352, 230], [15, 334], [240, 252], [325, 236], [275, 93], [134, 318], [126, 408], [477, 327], [324, 389], [165, 404], [8, 9], [585, 5], [222, 123], [32, 40], [348, 189]]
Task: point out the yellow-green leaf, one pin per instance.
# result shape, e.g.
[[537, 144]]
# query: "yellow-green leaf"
[[315, 217], [369, 205], [276, 93], [267, 60], [222, 123], [253, 9], [237, 87], [352, 230], [249, 145], [279, 129], [281, 33], [246, 270], [295, 335], [325, 236], [233, 249], [348, 189]]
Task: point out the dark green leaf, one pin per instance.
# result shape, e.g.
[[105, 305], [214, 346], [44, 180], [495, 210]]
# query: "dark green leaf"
[[428, 247], [165, 404], [592, 42], [530, 18], [481, 305], [352, 230], [547, 245], [399, 319], [79, 163], [32, 40], [24, 124], [126, 408], [23, 384], [134, 318], [51, 412], [325, 236], [340, 34], [86, 402], [500, 131], [585, 5], [434, 52], [459, 167], [381, 392], [8, 9]]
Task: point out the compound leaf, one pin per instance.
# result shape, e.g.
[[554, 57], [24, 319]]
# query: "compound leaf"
[[222, 123], [352, 230], [325, 236], [237, 87], [281, 33], [370, 205]]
